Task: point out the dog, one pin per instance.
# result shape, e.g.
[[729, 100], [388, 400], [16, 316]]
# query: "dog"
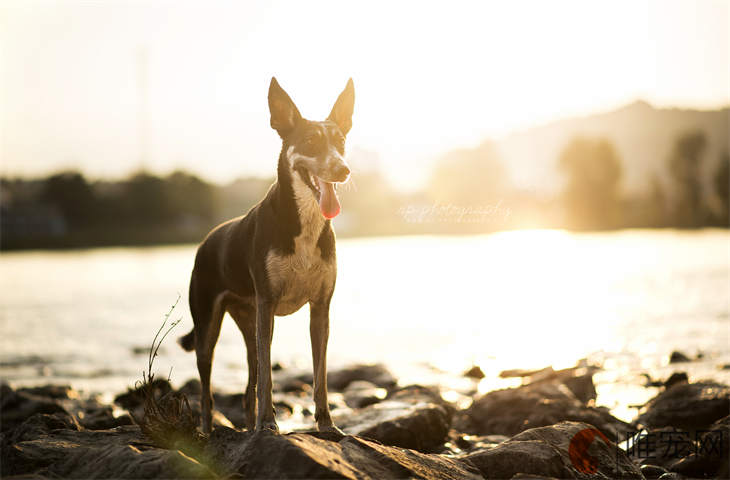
[[275, 258]]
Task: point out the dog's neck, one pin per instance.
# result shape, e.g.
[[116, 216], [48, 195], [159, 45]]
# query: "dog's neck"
[[296, 208]]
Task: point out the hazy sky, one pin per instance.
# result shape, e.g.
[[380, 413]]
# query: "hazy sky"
[[428, 77]]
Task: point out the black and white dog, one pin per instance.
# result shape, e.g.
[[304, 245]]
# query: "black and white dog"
[[276, 258]]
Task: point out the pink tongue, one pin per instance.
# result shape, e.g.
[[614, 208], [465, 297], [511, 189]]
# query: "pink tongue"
[[328, 203]]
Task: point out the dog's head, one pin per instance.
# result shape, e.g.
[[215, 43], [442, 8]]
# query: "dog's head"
[[315, 150]]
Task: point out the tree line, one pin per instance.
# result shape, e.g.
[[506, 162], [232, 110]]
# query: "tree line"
[[468, 193]]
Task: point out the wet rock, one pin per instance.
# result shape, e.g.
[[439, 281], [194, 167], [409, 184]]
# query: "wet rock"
[[525, 373], [17, 406], [51, 391], [102, 418], [527, 476], [459, 443], [317, 455], [711, 457], [361, 393], [41, 424], [678, 357], [133, 398], [564, 450], [337, 380], [117, 453], [513, 410], [687, 406], [652, 471], [412, 418], [582, 387], [660, 446], [191, 387], [474, 372], [650, 382], [675, 378], [376, 374], [231, 406], [672, 476]]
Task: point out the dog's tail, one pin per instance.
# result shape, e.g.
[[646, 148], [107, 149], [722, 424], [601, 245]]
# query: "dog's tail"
[[187, 342]]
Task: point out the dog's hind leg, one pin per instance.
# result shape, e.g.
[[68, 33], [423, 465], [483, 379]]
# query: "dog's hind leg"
[[245, 317], [206, 336]]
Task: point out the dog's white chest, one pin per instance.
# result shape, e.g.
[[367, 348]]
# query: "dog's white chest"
[[299, 277]]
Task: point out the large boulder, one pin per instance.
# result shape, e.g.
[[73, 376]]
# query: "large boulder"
[[265, 454], [411, 418], [564, 450], [116, 453], [687, 406], [513, 410]]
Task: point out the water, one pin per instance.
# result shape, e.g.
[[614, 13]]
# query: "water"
[[428, 307]]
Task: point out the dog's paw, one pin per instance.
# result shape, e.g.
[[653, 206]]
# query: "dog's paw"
[[268, 425], [331, 429]]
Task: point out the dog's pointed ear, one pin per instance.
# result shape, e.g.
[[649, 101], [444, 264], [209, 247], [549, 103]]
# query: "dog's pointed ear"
[[284, 114], [341, 113]]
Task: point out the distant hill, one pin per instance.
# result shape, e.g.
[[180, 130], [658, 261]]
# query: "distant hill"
[[643, 136]]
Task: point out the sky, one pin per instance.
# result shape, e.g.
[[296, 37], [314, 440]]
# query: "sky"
[[109, 87]]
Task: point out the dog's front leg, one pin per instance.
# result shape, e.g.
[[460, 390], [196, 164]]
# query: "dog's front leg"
[[319, 330], [264, 334]]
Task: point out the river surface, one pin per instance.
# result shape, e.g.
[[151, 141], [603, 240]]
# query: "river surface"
[[428, 307]]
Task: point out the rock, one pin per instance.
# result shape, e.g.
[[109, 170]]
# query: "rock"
[[711, 457], [652, 471], [51, 391], [17, 406], [582, 387], [230, 405], [459, 443], [117, 453], [675, 378], [672, 476], [525, 373], [659, 447], [564, 450], [191, 387], [687, 406], [338, 380], [360, 393], [650, 382], [411, 418], [317, 455], [41, 424], [527, 476], [513, 410], [678, 357], [474, 372], [134, 398]]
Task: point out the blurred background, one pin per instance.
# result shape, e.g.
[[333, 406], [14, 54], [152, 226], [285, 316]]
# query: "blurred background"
[[533, 182]]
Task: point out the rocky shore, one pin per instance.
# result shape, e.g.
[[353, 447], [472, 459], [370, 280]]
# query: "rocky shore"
[[549, 427]]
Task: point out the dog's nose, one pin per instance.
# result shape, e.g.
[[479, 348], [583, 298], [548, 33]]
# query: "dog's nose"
[[343, 172]]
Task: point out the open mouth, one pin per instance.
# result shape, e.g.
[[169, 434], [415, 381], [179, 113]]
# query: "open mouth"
[[326, 195]]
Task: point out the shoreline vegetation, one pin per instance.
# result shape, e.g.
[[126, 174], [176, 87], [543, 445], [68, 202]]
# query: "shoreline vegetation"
[[636, 167]]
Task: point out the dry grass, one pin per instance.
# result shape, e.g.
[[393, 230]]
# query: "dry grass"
[[168, 419]]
